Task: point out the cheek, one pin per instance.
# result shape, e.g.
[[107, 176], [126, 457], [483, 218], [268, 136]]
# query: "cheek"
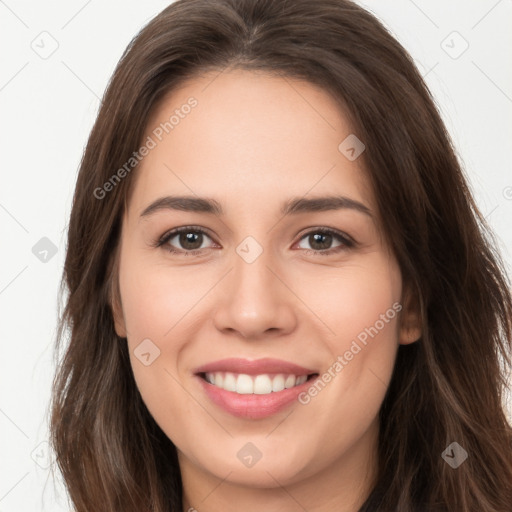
[[353, 298], [367, 361], [153, 303], [156, 299], [361, 305], [159, 304], [369, 325]]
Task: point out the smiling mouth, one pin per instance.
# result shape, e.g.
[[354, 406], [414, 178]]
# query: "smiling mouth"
[[262, 384]]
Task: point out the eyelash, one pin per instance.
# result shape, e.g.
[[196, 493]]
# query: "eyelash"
[[346, 241]]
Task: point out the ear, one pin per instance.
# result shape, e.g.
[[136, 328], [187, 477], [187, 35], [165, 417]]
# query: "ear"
[[115, 301], [410, 321]]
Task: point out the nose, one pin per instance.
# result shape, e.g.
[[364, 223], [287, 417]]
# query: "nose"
[[255, 301]]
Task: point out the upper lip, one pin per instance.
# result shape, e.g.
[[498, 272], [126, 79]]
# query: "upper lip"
[[254, 367]]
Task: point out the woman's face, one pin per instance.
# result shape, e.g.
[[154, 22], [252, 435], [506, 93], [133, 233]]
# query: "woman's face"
[[281, 263]]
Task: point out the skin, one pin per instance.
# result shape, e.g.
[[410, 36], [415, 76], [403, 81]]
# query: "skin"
[[253, 142]]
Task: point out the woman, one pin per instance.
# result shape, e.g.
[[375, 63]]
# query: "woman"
[[282, 295]]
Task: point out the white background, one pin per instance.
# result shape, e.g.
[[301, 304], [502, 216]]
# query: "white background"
[[47, 110]]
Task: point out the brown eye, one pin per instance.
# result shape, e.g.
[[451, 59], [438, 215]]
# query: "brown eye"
[[185, 240], [320, 241], [325, 241], [190, 240]]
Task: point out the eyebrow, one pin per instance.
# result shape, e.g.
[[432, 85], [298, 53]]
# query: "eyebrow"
[[292, 206]]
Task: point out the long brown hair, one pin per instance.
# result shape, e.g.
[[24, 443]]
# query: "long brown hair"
[[447, 387]]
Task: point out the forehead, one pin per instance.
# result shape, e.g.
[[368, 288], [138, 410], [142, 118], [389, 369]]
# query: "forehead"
[[249, 136]]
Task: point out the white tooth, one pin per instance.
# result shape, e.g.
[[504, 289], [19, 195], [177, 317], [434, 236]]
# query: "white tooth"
[[289, 382], [262, 385], [210, 378], [218, 379], [229, 382], [244, 384], [301, 379], [278, 383]]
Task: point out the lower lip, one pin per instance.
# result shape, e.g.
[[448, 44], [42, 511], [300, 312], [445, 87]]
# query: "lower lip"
[[253, 406]]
